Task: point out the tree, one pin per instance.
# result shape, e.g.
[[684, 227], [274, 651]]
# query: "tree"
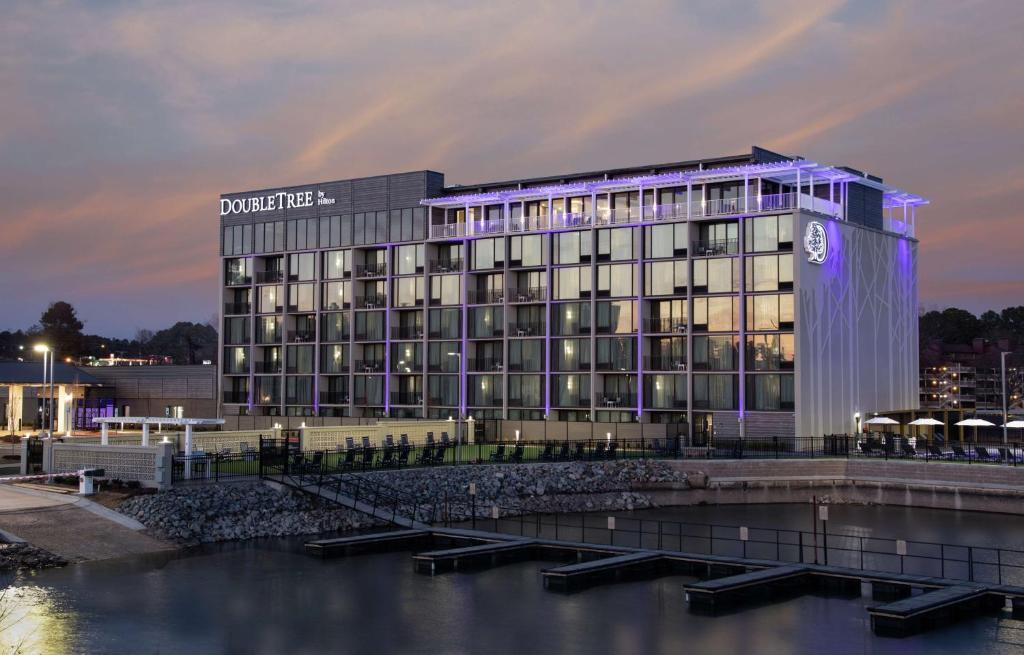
[[186, 343], [951, 325], [61, 329]]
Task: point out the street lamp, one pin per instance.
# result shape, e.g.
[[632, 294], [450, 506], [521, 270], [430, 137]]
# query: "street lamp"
[[47, 394], [1006, 399], [458, 424]]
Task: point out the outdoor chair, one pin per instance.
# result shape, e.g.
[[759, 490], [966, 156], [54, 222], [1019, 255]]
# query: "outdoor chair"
[[908, 450], [426, 456], [984, 455], [349, 460], [350, 443], [580, 451], [960, 453], [430, 437], [549, 453], [563, 451], [389, 440], [366, 442], [444, 438], [613, 448], [387, 460], [403, 454], [439, 453], [499, 453], [598, 452], [367, 459], [403, 440], [517, 454], [936, 452]]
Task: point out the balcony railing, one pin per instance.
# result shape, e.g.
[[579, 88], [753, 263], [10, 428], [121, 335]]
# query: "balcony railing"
[[445, 265], [665, 364], [666, 403], [414, 367], [268, 337], [375, 301], [664, 326], [617, 364], [408, 332], [377, 269], [485, 365], [486, 296], [715, 247], [332, 367], [237, 307], [270, 368], [527, 294], [236, 397], [617, 400], [404, 398], [449, 368], [333, 398], [570, 402], [237, 280], [269, 277], [526, 329], [268, 399], [368, 366], [648, 213], [525, 402], [301, 336]]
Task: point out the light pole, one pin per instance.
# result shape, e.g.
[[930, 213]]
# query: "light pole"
[[43, 348], [1006, 398], [458, 410]]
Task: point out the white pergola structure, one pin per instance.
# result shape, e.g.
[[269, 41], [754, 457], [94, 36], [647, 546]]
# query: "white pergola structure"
[[146, 421]]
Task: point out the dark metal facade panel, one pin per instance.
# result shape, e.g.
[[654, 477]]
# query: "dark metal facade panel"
[[370, 194], [407, 189], [864, 205]]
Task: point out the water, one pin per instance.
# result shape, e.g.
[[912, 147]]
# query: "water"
[[268, 597]]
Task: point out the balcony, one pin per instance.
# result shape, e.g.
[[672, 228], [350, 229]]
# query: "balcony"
[[334, 367], [371, 335], [440, 401], [617, 364], [268, 337], [368, 366], [377, 269], [450, 367], [269, 368], [716, 247], [526, 329], [667, 403], [616, 400], [405, 398], [269, 277], [525, 402], [763, 204], [528, 294], [485, 365], [364, 401], [374, 301], [235, 280], [677, 364], [237, 307], [485, 296], [268, 399], [236, 397], [526, 366], [301, 336], [407, 332], [664, 326], [333, 398], [571, 402], [573, 366], [445, 265]]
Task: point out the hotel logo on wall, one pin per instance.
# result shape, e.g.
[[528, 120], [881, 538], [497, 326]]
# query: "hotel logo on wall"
[[816, 242], [279, 200]]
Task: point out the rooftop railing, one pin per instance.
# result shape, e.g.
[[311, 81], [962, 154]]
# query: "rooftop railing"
[[767, 203]]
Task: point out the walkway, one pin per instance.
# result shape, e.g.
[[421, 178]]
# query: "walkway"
[[71, 526]]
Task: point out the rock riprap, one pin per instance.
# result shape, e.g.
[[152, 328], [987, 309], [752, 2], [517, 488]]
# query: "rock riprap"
[[207, 513], [26, 557]]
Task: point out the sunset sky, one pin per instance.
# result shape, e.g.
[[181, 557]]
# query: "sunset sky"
[[122, 122]]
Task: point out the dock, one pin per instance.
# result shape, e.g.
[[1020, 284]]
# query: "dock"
[[629, 566], [484, 555], [364, 544], [773, 583], [933, 609]]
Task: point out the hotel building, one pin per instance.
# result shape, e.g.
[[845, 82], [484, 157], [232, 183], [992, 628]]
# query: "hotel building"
[[747, 295]]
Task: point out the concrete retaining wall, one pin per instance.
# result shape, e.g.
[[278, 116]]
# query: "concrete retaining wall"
[[150, 465]]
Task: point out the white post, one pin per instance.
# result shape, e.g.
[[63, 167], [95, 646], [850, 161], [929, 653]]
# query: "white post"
[[145, 434], [188, 451], [105, 433]]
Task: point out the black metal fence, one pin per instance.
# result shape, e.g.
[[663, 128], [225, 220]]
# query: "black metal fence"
[[215, 467], [867, 553]]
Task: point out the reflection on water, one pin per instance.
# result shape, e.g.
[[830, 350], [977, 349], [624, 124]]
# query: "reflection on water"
[[268, 597], [34, 619]]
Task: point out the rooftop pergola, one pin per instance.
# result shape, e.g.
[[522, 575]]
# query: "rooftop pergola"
[[794, 173], [146, 421]]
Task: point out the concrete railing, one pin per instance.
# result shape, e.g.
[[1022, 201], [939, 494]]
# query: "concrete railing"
[[148, 465], [213, 441]]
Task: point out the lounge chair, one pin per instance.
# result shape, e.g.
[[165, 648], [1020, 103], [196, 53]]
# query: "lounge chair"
[[517, 454], [403, 440], [349, 460], [350, 443], [549, 453], [613, 448], [439, 454], [387, 459], [389, 440], [563, 452], [430, 437], [908, 450], [444, 439], [960, 453], [984, 455], [367, 459], [598, 452], [426, 456], [581, 450], [499, 453], [403, 454], [936, 452]]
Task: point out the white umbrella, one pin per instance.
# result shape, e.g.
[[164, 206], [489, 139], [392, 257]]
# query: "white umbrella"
[[1015, 424], [926, 421], [881, 420], [976, 423]]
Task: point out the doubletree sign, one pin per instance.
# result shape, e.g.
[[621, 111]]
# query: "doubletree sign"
[[816, 242], [279, 200]]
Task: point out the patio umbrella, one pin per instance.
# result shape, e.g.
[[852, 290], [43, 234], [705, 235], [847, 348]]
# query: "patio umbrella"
[[925, 421], [1015, 424], [881, 420], [975, 423]]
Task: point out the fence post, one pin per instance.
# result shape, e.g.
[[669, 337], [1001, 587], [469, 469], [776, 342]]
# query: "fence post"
[[800, 540], [970, 563]]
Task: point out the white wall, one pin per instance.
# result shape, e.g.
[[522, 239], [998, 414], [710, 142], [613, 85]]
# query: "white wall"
[[856, 327]]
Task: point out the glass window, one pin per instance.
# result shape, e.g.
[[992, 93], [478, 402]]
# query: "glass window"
[[770, 392], [714, 391], [617, 280], [570, 354], [270, 299], [445, 324], [438, 359], [570, 318], [334, 358], [715, 353], [334, 327], [409, 259], [570, 390], [336, 295], [408, 291], [486, 322], [769, 233], [572, 247], [665, 278], [445, 290], [236, 360], [337, 264], [615, 317], [301, 298], [665, 392], [527, 250], [526, 391], [720, 314], [770, 312], [301, 267], [268, 329], [488, 253], [526, 355], [236, 330], [238, 271], [572, 282], [300, 359], [770, 352]]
